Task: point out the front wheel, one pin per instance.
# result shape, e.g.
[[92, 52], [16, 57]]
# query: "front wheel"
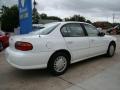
[[111, 50], [58, 64]]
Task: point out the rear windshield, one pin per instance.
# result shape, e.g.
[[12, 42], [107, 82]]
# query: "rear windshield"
[[48, 28]]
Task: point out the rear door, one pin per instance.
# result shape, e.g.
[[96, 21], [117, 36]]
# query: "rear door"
[[76, 40]]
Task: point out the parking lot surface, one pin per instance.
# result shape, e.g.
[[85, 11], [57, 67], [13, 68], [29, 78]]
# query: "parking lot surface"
[[99, 73]]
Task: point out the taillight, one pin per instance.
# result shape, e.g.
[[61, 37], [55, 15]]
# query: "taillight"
[[23, 46]]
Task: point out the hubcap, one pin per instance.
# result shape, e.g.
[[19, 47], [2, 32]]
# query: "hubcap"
[[60, 64], [112, 49]]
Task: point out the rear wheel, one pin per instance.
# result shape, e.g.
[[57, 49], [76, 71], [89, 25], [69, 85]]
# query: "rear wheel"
[[111, 50], [1, 46], [58, 64]]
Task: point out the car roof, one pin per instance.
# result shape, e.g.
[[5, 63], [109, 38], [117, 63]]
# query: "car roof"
[[72, 22]]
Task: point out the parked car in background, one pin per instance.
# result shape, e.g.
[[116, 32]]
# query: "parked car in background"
[[36, 27], [58, 45], [4, 40]]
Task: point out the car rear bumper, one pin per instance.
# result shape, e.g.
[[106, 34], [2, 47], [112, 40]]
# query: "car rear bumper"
[[27, 60]]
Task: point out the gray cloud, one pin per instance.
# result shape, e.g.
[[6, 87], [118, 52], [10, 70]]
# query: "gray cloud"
[[91, 9], [7, 2]]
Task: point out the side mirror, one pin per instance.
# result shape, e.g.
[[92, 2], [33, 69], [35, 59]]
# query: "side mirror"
[[101, 34]]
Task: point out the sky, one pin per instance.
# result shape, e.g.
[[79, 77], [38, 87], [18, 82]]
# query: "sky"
[[94, 10]]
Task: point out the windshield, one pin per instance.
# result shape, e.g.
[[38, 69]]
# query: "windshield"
[[48, 28]]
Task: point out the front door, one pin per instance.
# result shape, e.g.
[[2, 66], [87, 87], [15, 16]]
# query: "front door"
[[97, 43]]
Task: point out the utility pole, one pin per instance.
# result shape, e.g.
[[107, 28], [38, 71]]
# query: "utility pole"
[[36, 16], [34, 3], [0, 12], [113, 17], [107, 19]]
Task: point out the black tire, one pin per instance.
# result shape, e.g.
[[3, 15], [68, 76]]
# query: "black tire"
[[1, 46], [53, 59], [111, 49]]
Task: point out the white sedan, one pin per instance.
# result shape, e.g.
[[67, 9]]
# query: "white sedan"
[[57, 46]]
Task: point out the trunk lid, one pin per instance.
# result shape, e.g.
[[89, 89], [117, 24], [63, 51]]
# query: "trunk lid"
[[37, 41]]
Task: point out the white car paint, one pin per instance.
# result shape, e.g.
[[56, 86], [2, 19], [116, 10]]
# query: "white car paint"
[[44, 46]]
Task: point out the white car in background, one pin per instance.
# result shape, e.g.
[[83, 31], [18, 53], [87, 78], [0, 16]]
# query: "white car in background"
[[58, 45], [36, 27]]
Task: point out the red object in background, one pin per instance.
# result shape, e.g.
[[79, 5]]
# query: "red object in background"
[[4, 41]]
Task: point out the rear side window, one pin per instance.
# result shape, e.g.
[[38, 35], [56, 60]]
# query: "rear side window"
[[72, 30]]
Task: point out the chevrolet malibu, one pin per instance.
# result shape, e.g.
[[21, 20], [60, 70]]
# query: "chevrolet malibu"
[[57, 46]]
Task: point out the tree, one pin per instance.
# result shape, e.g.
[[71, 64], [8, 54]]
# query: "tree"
[[9, 18], [54, 18], [76, 18], [66, 19], [45, 17], [35, 16], [88, 21]]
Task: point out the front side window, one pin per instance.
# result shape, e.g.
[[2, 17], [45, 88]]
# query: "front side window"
[[91, 30], [72, 30]]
